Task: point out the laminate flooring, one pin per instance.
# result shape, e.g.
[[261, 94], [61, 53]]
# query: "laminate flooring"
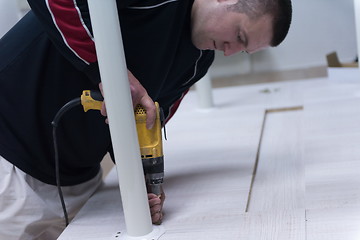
[[270, 161]]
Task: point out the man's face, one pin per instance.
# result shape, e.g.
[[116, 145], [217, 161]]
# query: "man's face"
[[216, 28]]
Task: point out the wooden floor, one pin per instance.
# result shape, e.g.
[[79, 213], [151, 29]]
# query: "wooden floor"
[[271, 161]]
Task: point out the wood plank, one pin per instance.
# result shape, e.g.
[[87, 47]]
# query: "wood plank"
[[273, 225], [265, 96], [280, 225], [209, 160], [192, 221], [280, 178], [333, 224], [225, 144], [101, 217], [332, 185], [210, 171], [207, 178], [332, 153], [332, 118]]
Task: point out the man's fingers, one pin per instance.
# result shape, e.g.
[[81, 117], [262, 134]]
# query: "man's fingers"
[[103, 106], [148, 104], [155, 204], [103, 109], [157, 218], [153, 200], [152, 195], [150, 108], [155, 209], [156, 213], [140, 96]]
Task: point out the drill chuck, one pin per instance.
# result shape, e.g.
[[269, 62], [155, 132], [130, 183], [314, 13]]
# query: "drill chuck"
[[154, 174]]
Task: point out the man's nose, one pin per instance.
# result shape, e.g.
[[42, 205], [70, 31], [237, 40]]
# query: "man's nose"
[[232, 48]]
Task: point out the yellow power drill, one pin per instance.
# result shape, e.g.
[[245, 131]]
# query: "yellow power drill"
[[150, 140]]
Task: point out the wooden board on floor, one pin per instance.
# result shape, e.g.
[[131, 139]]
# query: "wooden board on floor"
[[306, 185], [279, 183], [332, 154], [208, 177], [333, 224]]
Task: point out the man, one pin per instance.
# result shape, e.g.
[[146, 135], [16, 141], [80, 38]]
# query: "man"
[[48, 58]]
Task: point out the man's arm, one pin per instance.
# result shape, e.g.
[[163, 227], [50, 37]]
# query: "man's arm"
[[67, 23]]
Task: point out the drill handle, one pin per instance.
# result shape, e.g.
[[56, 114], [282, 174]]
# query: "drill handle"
[[91, 100]]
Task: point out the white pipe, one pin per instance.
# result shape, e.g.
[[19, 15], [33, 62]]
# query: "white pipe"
[[113, 71], [204, 92], [357, 25]]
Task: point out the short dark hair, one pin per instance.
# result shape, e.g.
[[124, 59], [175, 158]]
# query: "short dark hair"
[[282, 22], [280, 10]]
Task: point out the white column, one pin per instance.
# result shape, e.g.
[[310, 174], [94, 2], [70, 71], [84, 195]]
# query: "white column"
[[113, 71], [357, 25], [204, 92], [9, 15]]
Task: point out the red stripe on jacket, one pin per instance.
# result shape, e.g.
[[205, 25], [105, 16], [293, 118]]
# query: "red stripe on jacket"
[[70, 24]]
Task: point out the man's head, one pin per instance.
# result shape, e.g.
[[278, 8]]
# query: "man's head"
[[240, 25]]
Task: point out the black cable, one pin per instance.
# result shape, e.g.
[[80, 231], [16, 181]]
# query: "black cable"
[[73, 103]]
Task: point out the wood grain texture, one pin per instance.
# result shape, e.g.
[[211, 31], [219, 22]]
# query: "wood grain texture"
[[306, 185], [212, 218], [279, 225], [333, 224], [280, 178], [332, 154], [207, 177], [101, 217], [212, 169]]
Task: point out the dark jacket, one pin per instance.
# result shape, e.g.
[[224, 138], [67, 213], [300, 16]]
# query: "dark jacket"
[[49, 57]]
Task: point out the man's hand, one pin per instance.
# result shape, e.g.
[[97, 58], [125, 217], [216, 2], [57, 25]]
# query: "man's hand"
[[140, 96], [156, 204]]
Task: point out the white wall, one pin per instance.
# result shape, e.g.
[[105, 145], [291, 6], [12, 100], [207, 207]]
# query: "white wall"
[[319, 27]]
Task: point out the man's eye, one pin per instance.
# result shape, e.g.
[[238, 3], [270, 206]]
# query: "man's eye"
[[240, 39]]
